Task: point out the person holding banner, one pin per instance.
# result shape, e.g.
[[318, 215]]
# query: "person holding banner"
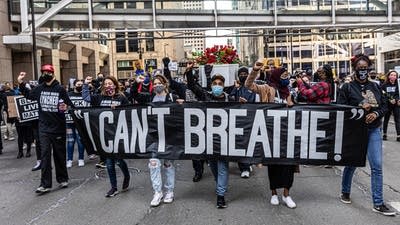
[[111, 96], [280, 176], [72, 134], [368, 95], [186, 93], [241, 94], [161, 94], [391, 89], [49, 95], [219, 168]]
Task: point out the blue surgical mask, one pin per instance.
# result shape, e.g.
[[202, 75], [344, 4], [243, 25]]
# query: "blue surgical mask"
[[362, 74], [284, 82], [217, 90]]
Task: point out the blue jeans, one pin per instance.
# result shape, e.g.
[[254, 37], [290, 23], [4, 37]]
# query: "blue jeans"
[[111, 170], [155, 175], [220, 170], [72, 136], [374, 155]]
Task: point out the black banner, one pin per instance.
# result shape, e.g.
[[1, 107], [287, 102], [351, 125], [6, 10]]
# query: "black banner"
[[78, 102], [27, 110], [256, 133]]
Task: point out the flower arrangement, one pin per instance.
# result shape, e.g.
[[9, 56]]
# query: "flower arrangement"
[[218, 54]]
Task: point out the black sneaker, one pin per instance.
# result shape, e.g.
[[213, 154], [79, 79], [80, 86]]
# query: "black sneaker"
[[197, 177], [101, 164], [382, 209], [125, 184], [20, 155], [112, 192], [384, 137], [221, 202], [345, 198]]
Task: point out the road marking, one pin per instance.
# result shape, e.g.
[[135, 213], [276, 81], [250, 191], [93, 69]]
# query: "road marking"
[[395, 205]]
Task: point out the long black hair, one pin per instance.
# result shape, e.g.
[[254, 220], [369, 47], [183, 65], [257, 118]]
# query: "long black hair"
[[329, 79]]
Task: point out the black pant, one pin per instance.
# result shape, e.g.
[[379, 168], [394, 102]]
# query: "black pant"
[[396, 114], [57, 143], [244, 166], [35, 132], [281, 176], [1, 140], [198, 166], [24, 135]]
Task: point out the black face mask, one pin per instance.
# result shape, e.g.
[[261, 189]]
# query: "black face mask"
[[242, 79], [78, 89], [373, 77], [362, 74], [47, 77]]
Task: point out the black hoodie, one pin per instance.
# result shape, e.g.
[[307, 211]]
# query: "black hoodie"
[[351, 94], [48, 96]]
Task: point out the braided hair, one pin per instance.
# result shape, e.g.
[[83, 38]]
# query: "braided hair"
[[355, 59]]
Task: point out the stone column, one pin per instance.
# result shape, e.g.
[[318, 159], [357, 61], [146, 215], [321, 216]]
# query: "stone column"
[[73, 67], [5, 52]]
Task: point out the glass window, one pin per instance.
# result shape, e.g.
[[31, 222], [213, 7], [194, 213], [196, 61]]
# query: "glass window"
[[120, 42], [149, 41], [133, 42], [118, 5]]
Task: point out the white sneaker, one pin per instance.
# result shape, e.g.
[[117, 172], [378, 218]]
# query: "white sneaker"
[[157, 197], [64, 184], [245, 174], [169, 197], [289, 202], [274, 200], [69, 163], [81, 162], [92, 157]]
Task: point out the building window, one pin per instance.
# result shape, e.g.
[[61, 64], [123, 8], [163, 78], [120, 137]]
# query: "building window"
[[149, 41], [120, 42], [148, 5], [131, 5], [118, 5], [102, 39], [133, 42]]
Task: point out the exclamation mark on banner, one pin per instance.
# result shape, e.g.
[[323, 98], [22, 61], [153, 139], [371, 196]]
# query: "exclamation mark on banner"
[[339, 136]]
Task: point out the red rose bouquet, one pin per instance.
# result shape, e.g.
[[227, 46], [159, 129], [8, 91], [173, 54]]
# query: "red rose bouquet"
[[218, 54]]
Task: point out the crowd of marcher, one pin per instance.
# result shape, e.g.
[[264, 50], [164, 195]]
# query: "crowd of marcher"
[[54, 133]]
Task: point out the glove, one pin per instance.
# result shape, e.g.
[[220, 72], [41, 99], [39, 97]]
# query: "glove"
[[166, 61], [208, 69]]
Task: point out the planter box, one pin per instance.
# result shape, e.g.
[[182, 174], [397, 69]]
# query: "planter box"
[[229, 71]]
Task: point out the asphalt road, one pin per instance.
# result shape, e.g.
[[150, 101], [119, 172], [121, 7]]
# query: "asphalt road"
[[316, 192]]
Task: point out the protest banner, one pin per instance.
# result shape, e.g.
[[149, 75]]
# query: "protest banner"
[[257, 133]]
